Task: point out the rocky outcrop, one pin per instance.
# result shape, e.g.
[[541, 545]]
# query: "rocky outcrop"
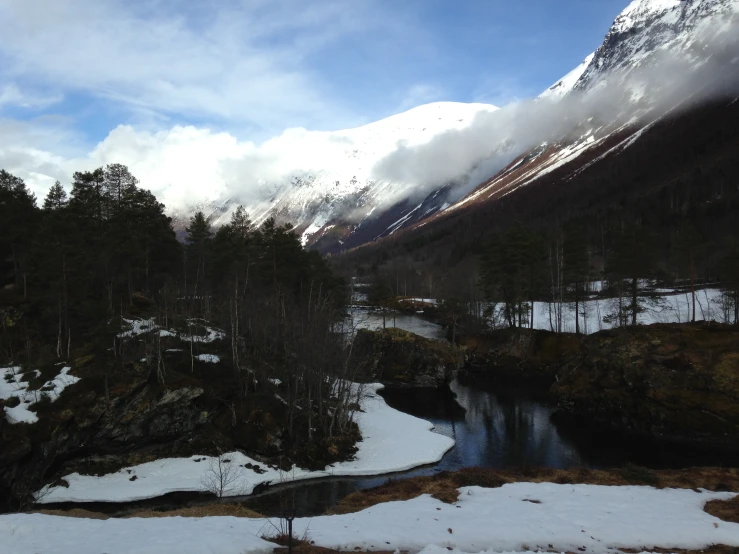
[[678, 382], [144, 421], [88, 436], [400, 358], [518, 356]]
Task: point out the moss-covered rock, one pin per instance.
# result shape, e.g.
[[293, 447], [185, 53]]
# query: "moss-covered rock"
[[678, 382], [398, 357], [519, 356]]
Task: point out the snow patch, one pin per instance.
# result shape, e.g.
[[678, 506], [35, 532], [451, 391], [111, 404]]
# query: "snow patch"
[[391, 441], [13, 386], [517, 517]]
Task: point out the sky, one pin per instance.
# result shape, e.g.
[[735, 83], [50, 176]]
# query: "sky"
[[76, 74]]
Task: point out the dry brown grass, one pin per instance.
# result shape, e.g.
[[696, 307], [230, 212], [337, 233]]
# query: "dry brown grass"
[[444, 485], [75, 512], [713, 549], [211, 510], [728, 510], [234, 510]]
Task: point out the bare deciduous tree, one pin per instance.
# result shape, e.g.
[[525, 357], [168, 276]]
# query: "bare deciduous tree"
[[224, 477]]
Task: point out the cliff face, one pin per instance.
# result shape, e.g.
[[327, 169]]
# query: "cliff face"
[[677, 382]]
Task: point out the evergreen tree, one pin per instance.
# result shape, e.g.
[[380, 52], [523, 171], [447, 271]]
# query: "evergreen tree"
[[56, 198], [632, 259]]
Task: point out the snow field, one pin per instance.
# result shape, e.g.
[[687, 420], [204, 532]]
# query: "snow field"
[[391, 441], [517, 517]]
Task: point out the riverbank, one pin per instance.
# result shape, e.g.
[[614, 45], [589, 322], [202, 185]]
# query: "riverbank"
[[674, 383], [469, 511], [391, 441]]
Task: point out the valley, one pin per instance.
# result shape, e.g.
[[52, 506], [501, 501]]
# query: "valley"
[[469, 327]]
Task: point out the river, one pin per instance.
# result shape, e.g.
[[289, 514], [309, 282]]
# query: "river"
[[493, 426]]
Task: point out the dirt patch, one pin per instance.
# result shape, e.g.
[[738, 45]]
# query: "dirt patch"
[[444, 485], [728, 510]]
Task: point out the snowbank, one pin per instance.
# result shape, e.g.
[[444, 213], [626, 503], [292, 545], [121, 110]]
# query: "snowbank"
[[392, 441], [518, 517]]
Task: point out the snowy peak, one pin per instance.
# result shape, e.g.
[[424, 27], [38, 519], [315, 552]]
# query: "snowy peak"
[[648, 31], [567, 83]]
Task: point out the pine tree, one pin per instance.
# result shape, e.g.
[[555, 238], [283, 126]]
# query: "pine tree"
[[632, 259], [56, 198]]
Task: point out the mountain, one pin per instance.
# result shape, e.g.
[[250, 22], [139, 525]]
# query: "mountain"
[[659, 57], [343, 190]]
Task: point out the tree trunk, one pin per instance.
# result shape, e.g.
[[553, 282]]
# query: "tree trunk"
[[692, 281], [634, 299]]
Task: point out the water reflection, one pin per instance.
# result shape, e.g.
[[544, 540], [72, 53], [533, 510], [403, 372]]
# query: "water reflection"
[[497, 428]]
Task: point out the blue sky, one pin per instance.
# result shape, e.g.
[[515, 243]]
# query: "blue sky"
[[73, 70]]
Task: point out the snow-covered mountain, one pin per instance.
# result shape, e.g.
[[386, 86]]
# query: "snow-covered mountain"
[[339, 184], [658, 56]]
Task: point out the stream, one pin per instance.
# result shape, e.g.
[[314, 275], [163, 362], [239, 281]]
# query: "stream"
[[493, 426]]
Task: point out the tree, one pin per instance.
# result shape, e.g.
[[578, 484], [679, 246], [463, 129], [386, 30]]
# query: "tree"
[[56, 198], [198, 238], [689, 242], [576, 262], [381, 294], [224, 477], [632, 259], [730, 277]]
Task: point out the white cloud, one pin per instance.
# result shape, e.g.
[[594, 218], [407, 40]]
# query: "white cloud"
[[243, 62], [11, 95]]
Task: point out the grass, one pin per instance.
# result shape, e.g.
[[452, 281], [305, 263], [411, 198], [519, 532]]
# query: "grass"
[[444, 485], [210, 510]]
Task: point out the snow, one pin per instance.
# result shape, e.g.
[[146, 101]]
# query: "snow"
[[208, 358], [137, 327], [17, 388], [387, 436], [421, 300], [211, 334], [667, 308], [568, 82], [517, 517]]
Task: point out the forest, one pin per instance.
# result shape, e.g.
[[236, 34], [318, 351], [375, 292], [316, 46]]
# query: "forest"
[[662, 214], [80, 273]]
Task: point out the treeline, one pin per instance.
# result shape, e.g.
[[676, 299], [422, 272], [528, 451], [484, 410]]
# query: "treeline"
[[74, 267]]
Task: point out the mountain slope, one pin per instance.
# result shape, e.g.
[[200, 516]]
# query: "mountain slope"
[[338, 184], [659, 58]]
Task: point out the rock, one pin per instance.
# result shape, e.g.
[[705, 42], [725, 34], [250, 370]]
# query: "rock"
[[400, 358], [525, 357], [678, 382]]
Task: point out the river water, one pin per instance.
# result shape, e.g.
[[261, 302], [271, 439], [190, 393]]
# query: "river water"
[[493, 426], [497, 427]]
